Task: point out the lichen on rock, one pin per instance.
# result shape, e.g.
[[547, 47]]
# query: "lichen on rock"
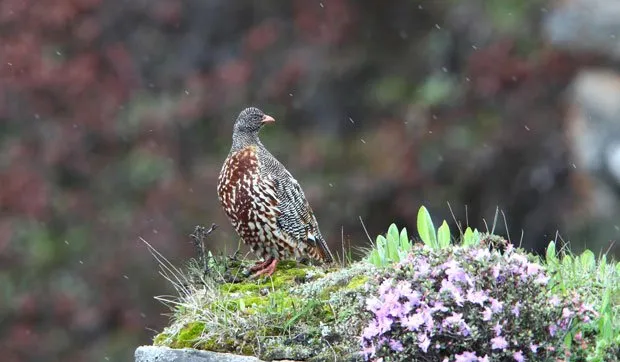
[[301, 312]]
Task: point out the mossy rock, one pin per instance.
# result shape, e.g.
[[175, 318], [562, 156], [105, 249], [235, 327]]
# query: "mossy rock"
[[301, 312]]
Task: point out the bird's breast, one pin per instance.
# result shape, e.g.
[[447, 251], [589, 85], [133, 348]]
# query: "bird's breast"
[[238, 177]]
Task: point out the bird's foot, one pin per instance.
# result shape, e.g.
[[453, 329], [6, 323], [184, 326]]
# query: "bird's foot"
[[261, 265], [264, 269]]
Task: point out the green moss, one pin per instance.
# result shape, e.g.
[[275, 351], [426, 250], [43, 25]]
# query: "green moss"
[[189, 335], [287, 273], [161, 339], [356, 282], [287, 314]]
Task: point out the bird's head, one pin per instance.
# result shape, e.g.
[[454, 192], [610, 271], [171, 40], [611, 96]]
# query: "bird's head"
[[251, 120]]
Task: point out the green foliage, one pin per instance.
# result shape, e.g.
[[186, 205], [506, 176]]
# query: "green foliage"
[[598, 282], [436, 240], [426, 229], [394, 246], [471, 238], [390, 248]]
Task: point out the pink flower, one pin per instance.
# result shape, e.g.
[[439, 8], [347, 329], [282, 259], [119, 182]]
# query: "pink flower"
[[541, 279], [455, 273], [518, 356], [498, 329], [413, 322], [553, 329], [422, 268], [371, 331], [369, 351], [447, 285], [484, 359], [516, 309], [482, 253], [499, 342], [384, 324], [395, 345], [533, 348], [487, 314], [496, 305], [477, 297], [385, 286], [533, 268], [373, 304], [466, 357], [495, 271], [566, 313], [554, 301], [424, 342], [455, 318]]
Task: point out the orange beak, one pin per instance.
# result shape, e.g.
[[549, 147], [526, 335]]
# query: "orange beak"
[[267, 119]]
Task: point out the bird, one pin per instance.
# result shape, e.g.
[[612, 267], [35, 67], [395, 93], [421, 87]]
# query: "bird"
[[263, 201]]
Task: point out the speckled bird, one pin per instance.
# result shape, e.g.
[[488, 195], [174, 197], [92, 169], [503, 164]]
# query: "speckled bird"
[[263, 201]]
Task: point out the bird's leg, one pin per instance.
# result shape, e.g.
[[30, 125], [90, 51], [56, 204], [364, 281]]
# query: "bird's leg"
[[267, 270], [261, 264]]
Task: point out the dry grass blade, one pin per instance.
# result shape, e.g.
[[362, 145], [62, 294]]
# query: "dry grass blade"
[[168, 270]]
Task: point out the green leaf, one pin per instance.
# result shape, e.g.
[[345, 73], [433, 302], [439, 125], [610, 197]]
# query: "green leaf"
[[426, 229], [468, 237], [404, 240], [550, 256], [588, 261], [392, 234], [568, 340], [381, 241], [443, 235], [392, 249], [476, 239]]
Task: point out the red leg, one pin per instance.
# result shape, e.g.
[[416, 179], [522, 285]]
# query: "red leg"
[[268, 270], [261, 264]]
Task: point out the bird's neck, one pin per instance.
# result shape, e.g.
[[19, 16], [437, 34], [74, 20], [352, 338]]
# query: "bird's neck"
[[242, 140]]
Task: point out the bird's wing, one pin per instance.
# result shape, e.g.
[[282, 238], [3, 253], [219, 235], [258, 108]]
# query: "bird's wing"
[[296, 217]]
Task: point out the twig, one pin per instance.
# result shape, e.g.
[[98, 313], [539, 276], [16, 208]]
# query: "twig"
[[198, 239], [366, 231]]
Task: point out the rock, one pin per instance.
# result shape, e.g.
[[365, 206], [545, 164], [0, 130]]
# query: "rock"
[[585, 25], [594, 124], [165, 354]]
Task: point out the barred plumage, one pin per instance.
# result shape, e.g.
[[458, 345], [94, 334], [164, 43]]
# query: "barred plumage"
[[263, 201]]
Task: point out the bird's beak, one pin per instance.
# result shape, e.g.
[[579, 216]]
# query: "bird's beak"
[[267, 119]]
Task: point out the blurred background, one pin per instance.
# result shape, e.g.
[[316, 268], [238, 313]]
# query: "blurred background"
[[116, 116]]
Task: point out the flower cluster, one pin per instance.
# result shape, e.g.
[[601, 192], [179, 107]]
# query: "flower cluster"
[[467, 305]]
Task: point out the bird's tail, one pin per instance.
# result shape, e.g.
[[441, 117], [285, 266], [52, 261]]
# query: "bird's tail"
[[323, 251]]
